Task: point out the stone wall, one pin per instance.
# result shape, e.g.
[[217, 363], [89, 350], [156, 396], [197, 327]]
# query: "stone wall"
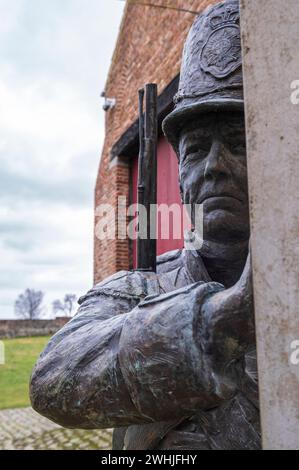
[[148, 49], [270, 67], [25, 328]]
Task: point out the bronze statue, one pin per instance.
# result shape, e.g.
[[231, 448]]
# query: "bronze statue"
[[169, 358]]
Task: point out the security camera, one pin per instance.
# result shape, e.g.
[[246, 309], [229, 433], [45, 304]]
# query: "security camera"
[[109, 102]]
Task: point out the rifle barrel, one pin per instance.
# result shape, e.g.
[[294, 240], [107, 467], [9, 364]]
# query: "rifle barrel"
[[147, 179]]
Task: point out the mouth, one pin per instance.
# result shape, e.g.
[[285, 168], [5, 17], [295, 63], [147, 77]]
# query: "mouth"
[[215, 197]]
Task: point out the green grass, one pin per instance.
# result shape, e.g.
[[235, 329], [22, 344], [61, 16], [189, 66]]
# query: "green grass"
[[20, 357]]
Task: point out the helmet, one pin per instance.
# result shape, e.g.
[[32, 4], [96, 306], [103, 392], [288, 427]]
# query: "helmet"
[[211, 73]]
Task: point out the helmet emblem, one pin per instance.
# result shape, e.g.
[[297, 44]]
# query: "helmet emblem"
[[221, 54]]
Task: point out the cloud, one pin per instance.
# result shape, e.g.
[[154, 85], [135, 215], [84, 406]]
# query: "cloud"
[[53, 67], [70, 187], [39, 251]]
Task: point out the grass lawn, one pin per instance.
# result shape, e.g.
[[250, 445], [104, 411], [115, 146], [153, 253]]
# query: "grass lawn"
[[20, 357]]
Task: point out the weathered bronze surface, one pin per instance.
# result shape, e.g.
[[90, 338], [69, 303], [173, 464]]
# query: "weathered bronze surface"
[[147, 179], [169, 357]]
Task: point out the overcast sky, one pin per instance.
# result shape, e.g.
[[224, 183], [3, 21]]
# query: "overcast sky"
[[54, 60]]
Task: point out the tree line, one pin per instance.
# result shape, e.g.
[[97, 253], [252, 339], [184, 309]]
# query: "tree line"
[[29, 305]]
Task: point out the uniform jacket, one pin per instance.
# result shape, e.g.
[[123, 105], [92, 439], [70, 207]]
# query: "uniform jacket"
[[136, 357]]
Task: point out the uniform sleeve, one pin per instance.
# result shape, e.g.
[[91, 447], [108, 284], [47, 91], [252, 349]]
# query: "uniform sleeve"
[[127, 359]]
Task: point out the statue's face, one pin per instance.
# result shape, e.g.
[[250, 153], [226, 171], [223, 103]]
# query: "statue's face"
[[213, 172]]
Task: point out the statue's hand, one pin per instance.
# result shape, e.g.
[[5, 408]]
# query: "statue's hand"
[[244, 287], [228, 319]]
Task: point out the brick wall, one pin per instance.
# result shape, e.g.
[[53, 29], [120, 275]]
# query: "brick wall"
[[26, 328], [148, 49]]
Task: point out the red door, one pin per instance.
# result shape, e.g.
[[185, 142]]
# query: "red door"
[[167, 193]]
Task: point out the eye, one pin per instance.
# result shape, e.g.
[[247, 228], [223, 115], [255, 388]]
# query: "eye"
[[194, 157], [235, 141], [238, 148], [197, 152]]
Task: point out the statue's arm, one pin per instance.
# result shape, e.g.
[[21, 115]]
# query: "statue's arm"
[[153, 363], [77, 380], [184, 351]]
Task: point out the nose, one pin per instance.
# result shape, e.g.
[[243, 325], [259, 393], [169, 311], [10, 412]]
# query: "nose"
[[216, 167]]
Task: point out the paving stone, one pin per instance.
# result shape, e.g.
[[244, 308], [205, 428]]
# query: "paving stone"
[[24, 429]]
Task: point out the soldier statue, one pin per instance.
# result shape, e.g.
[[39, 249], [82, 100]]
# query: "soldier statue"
[[168, 359]]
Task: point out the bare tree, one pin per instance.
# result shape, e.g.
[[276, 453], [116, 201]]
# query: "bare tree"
[[29, 304], [67, 306]]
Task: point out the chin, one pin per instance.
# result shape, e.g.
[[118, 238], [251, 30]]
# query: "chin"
[[221, 225]]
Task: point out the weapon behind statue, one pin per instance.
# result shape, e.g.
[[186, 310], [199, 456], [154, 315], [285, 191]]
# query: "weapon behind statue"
[[147, 179]]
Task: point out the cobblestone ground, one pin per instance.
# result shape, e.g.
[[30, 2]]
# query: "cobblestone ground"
[[24, 429]]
